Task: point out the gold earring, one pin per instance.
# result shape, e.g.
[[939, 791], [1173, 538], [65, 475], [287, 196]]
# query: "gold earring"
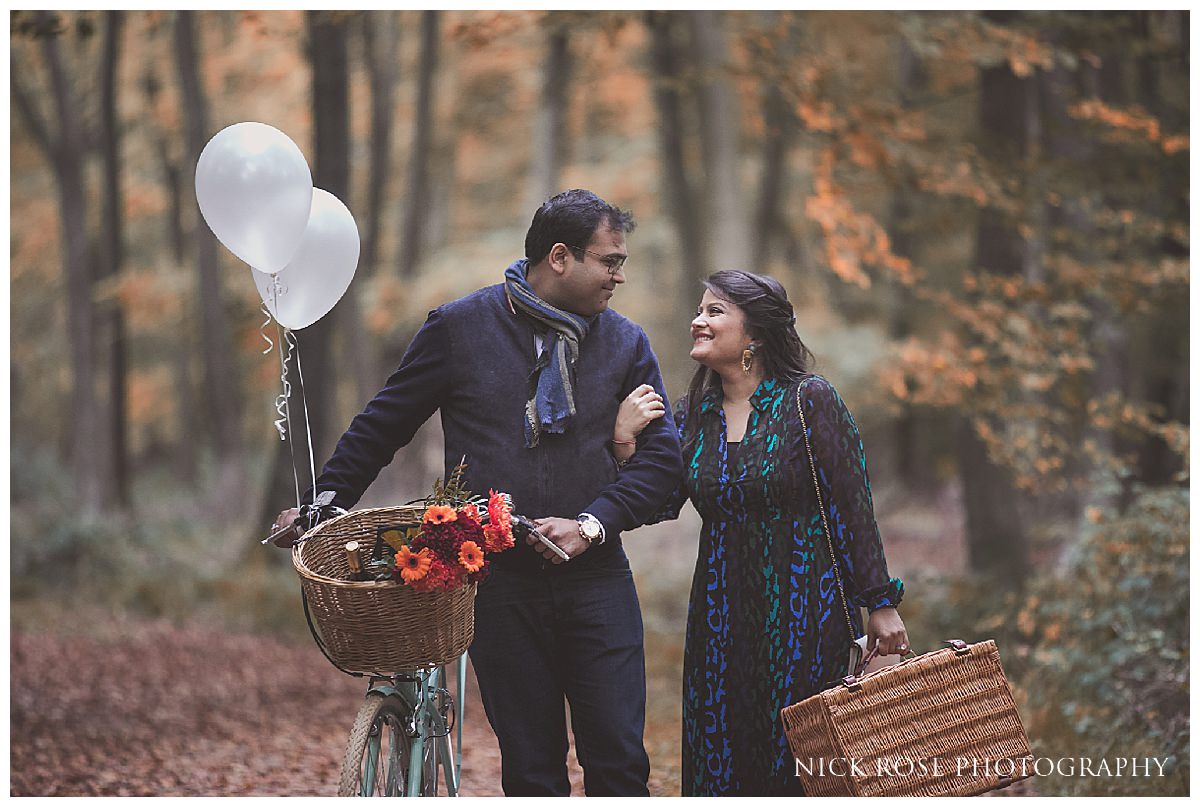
[[748, 359]]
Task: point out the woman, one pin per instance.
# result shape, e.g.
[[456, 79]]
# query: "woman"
[[766, 625]]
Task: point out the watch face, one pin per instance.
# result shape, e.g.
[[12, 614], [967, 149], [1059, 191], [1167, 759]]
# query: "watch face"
[[591, 529]]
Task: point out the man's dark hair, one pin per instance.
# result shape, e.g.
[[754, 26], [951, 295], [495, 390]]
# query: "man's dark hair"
[[571, 218]]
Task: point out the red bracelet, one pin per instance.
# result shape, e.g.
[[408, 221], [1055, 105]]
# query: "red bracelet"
[[625, 442]]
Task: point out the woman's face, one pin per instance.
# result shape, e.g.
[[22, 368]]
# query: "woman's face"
[[719, 333]]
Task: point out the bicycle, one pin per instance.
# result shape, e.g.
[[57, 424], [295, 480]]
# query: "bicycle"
[[399, 744], [401, 736]]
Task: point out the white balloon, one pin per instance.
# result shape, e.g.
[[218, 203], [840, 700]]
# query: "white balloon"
[[309, 287], [255, 190]]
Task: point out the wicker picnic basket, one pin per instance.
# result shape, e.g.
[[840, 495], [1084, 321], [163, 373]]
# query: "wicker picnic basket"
[[377, 627], [941, 724]]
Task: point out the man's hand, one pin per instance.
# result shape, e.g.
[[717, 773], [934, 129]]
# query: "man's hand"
[[564, 532], [285, 519]]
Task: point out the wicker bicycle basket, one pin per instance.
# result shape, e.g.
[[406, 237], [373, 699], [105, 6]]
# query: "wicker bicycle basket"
[[940, 724], [378, 627]]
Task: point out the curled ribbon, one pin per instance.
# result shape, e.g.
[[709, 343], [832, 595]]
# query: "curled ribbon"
[[262, 330], [281, 403], [284, 423]]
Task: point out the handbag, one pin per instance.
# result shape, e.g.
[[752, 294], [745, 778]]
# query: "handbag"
[[940, 724]]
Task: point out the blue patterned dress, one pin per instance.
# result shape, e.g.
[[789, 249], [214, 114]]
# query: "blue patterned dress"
[[765, 626]]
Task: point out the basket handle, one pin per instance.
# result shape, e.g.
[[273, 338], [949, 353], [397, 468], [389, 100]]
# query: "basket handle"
[[854, 682]]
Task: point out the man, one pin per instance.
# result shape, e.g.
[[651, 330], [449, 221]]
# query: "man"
[[528, 376]]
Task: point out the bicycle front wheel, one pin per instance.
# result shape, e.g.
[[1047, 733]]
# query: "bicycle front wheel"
[[377, 753]]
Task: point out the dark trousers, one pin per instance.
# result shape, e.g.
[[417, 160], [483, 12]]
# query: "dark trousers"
[[542, 638]]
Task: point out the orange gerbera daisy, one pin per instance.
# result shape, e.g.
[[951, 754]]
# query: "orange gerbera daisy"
[[470, 556], [498, 513], [413, 565], [471, 512], [440, 514]]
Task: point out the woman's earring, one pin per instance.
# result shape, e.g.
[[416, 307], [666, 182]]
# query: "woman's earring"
[[748, 358]]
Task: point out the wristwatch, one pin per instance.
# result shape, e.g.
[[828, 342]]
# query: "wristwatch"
[[590, 528]]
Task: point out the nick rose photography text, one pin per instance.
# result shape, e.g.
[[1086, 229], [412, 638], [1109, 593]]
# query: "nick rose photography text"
[[969, 766]]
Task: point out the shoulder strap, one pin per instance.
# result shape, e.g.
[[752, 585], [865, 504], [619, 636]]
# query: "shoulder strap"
[[812, 464]]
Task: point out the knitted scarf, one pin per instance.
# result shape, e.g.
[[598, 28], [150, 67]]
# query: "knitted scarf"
[[550, 402]]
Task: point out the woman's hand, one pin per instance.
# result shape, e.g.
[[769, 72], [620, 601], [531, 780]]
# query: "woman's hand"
[[637, 410], [885, 629]]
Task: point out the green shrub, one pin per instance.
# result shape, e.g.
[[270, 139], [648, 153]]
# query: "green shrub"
[[1097, 653]]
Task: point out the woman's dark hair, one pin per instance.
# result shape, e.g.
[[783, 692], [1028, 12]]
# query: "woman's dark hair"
[[771, 323], [571, 218]]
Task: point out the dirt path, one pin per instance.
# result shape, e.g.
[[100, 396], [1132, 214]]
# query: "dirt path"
[[104, 706], [154, 709]]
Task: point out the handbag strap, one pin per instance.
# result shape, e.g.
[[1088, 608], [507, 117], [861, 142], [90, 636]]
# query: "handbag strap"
[[812, 464]]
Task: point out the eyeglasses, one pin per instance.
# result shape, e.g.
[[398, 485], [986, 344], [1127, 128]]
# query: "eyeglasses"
[[612, 263]]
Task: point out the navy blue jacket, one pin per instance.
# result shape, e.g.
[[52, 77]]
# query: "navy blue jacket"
[[471, 360]]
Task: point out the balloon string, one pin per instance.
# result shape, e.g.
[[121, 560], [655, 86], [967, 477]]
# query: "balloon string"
[[276, 289], [281, 403], [312, 466]]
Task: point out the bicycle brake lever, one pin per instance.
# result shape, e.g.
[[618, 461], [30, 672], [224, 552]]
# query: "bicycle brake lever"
[[285, 537], [289, 536]]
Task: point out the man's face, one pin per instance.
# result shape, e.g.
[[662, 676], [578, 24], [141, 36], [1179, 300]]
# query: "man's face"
[[588, 284]]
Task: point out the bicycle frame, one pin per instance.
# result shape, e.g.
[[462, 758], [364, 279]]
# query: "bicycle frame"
[[419, 690]]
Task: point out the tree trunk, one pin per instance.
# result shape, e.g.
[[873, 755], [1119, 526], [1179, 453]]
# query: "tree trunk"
[[677, 189], [220, 377], [313, 374], [113, 334], [727, 228], [914, 434], [550, 126], [996, 543], [1163, 377], [417, 196], [64, 151], [328, 48], [380, 41], [380, 49], [779, 125], [184, 450]]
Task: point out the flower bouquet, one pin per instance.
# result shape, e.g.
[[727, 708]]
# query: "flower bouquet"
[[450, 547], [393, 588]]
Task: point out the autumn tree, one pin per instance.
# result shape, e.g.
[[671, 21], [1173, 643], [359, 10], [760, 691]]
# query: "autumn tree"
[[220, 388], [548, 145], [679, 191], [777, 37], [63, 144], [1006, 337], [719, 134], [416, 196], [170, 175], [113, 319], [380, 39]]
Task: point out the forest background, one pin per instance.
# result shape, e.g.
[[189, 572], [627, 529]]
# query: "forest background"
[[982, 219]]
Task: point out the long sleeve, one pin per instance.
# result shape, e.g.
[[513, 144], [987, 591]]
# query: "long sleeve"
[[655, 469], [387, 424], [842, 469], [671, 508]]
